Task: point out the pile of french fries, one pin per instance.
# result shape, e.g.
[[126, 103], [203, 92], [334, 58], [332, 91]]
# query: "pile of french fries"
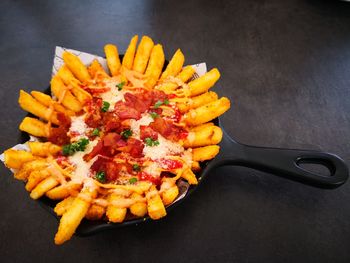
[[41, 170]]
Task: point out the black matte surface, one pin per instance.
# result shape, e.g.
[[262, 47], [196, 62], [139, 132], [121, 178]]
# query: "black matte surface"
[[286, 67]]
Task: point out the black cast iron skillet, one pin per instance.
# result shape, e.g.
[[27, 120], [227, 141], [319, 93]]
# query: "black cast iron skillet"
[[281, 162]]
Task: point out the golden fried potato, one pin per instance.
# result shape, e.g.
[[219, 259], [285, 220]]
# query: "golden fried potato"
[[170, 195], [63, 206], [128, 59], [197, 101], [95, 212], [174, 66], [73, 216], [62, 191], [75, 85], [96, 68], [155, 206], [28, 103], [43, 187], [115, 213], [63, 94], [189, 176], [44, 149], [139, 208], [34, 127], [28, 167], [15, 158], [155, 65], [35, 177], [47, 101], [206, 136], [142, 54], [205, 82], [76, 66], [205, 153], [112, 57], [207, 112]]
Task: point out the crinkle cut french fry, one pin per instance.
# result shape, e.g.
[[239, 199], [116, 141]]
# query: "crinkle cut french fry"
[[189, 176], [203, 83], [198, 101], [76, 66], [72, 217], [155, 65], [43, 149], [60, 90], [47, 101], [142, 54], [128, 58], [174, 66], [112, 57], [207, 112], [155, 206], [96, 68], [205, 136], [62, 191], [95, 212], [16, 158], [34, 127], [28, 103], [205, 153], [43, 187], [114, 213], [139, 208], [63, 206], [35, 177], [28, 167], [169, 195], [69, 80]]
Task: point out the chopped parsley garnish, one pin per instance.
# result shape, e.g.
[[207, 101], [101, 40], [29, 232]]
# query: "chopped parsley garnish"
[[159, 103], [100, 176], [70, 149], [96, 132], [151, 142], [136, 167], [105, 106], [120, 85], [126, 133], [154, 115], [133, 180]]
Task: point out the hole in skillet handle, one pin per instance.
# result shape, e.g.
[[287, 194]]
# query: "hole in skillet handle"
[[90, 227], [316, 166]]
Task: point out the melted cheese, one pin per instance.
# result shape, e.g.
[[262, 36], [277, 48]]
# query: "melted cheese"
[[165, 147], [82, 168], [145, 120], [78, 127], [113, 95]]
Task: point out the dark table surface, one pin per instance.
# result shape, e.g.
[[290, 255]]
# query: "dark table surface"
[[286, 67]]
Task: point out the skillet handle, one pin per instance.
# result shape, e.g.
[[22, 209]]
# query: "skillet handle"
[[285, 163]]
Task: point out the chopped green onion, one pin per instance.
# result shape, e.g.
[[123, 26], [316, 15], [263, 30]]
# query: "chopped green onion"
[[70, 149], [166, 102], [158, 104], [150, 142], [120, 85], [154, 115], [96, 132], [100, 176], [105, 106], [133, 180], [126, 133], [136, 167]]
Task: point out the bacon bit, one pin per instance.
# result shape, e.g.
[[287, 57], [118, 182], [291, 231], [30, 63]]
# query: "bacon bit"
[[94, 117], [111, 122], [95, 151], [125, 112], [147, 132], [59, 135], [167, 129], [96, 91], [134, 147]]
